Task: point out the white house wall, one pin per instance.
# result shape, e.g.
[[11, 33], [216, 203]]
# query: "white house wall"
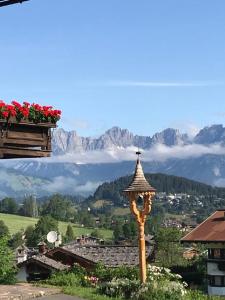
[[217, 291], [22, 274], [212, 269]]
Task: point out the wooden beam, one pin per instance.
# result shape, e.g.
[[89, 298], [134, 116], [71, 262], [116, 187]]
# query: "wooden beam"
[[9, 2], [19, 152]]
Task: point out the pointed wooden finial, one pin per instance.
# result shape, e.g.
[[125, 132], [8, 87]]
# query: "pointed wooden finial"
[[139, 182]]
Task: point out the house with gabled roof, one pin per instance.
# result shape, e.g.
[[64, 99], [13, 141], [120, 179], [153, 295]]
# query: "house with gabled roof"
[[89, 255], [211, 233], [63, 258], [38, 267]]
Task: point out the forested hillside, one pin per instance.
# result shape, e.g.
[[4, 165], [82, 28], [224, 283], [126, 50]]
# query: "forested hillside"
[[162, 183]]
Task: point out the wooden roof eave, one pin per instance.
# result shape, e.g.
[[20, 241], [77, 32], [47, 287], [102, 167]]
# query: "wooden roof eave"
[[30, 260], [62, 250], [10, 2]]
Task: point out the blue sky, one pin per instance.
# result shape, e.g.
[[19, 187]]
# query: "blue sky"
[[142, 65]]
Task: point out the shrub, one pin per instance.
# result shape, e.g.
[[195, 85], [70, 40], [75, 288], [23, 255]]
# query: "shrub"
[[119, 288], [75, 276], [161, 284], [63, 279], [107, 274], [7, 268], [197, 295]]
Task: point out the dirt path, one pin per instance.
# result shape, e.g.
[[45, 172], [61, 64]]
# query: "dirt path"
[[24, 291], [59, 297]]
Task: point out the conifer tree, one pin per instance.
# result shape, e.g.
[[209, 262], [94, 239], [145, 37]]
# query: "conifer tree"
[[69, 234]]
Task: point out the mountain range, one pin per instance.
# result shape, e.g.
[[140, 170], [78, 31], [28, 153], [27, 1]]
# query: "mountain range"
[[67, 142], [80, 164]]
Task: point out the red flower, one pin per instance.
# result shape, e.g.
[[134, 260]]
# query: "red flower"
[[16, 104], [25, 111], [26, 103], [37, 107], [46, 113], [10, 108], [5, 114], [35, 112], [13, 113]]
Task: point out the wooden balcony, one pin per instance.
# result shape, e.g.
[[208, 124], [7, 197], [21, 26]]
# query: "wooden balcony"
[[25, 139]]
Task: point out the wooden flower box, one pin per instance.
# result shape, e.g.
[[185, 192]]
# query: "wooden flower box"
[[25, 139]]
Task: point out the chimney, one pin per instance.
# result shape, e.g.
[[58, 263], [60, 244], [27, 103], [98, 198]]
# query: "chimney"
[[42, 248]]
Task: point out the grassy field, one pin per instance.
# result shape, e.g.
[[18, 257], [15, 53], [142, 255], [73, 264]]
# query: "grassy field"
[[15, 223], [101, 203], [175, 217], [121, 211]]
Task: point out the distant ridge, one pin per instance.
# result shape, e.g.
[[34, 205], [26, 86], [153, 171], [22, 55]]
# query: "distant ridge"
[[69, 141], [43, 177]]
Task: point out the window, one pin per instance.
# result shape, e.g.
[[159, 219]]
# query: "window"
[[217, 281], [216, 253], [210, 253]]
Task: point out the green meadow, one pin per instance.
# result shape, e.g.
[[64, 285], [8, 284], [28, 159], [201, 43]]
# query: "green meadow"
[[15, 223]]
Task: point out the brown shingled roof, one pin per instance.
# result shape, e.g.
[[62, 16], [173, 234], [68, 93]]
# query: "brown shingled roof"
[[110, 256], [48, 262], [211, 230], [139, 182]]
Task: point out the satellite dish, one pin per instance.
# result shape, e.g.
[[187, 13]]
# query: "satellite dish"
[[52, 236]]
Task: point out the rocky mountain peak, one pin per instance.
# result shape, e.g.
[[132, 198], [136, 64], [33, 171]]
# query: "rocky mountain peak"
[[169, 137], [211, 134], [69, 142], [119, 137]]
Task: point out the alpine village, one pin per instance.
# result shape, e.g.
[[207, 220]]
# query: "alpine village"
[[130, 229]]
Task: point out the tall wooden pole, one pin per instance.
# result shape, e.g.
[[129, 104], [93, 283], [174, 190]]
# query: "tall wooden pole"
[[139, 187], [142, 255], [140, 216]]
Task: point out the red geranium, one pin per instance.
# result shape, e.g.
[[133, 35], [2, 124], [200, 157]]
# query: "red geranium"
[[5, 114], [32, 112]]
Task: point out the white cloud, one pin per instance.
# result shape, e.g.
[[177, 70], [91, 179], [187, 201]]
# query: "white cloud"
[[162, 152], [192, 130], [159, 152], [131, 83], [88, 187], [220, 182], [216, 171], [61, 184]]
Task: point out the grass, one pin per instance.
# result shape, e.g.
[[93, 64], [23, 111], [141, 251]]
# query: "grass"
[[174, 217], [101, 203], [15, 223], [90, 294], [86, 293], [119, 211], [79, 291]]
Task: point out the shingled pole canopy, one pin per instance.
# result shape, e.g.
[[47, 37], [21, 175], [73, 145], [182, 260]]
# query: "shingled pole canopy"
[[10, 2], [140, 188]]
